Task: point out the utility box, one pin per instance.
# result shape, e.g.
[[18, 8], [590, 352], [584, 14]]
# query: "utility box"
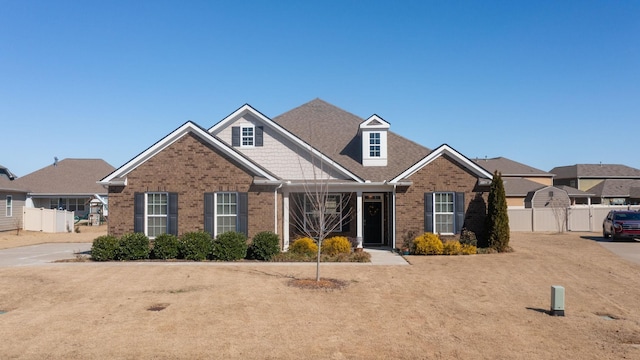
[[557, 300]]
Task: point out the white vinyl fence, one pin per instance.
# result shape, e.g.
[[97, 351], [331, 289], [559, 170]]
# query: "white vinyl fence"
[[47, 220], [574, 218]]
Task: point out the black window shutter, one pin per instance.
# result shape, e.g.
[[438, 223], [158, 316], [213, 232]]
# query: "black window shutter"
[[428, 212], [138, 212], [209, 212], [458, 221], [172, 221], [259, 135], [243, 214], [235, 136]]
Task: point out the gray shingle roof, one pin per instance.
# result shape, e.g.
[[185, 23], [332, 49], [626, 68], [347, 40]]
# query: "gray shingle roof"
[[595, 171], [614, 188], [508, 167], [8, 185], [519, 186], [68, 177], [573, 192], [334, 132], [6, 174]]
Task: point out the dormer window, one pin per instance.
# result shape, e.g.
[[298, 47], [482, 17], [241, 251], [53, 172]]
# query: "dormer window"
[[374, 144], [247, 136], [373, 133]]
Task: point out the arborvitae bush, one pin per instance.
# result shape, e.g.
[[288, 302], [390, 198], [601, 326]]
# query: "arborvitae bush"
[[427, 244], [304, 246], [451, 247], [497, 217], [336, 245], [105, 248], [195, 245], [165, 246], [230, 246], [133, 246], [264, 246]]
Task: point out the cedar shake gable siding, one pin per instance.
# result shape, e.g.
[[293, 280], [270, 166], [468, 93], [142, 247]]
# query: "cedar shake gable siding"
[[191, 168], [441, 175]]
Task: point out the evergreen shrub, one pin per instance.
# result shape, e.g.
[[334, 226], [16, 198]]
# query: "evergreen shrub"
[[133, 246], [451, 247], [230, 246], [166, 246], [304, 246], [105, 248], [264, 246], [196, 245]]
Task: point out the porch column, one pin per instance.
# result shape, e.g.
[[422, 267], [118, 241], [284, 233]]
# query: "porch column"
[[285, 220], [359, 225]]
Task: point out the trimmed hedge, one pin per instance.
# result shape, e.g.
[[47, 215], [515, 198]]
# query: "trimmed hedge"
[[264, 246], [166, 246], [105, 248], [427, 244], [195, 246], [229, 246], [133, 246]]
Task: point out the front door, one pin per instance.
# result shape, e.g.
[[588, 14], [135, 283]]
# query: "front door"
[[373, 220]]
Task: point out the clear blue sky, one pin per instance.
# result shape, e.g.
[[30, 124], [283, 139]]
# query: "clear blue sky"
[[544, 83]]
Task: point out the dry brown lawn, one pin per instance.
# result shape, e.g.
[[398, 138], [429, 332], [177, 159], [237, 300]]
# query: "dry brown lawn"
[[465, 307]]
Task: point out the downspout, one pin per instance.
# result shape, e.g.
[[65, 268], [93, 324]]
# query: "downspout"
[[275, 209]]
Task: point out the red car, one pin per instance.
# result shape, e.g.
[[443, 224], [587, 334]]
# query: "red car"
[[621, 225]]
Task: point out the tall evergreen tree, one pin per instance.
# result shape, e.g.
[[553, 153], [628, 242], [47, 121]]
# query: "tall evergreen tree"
[[497, 216]]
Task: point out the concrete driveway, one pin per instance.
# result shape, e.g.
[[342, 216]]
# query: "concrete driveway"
[[629, 250], [41, 254]]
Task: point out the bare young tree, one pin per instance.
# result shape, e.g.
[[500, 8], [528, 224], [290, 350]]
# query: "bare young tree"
[[559, 209], [317, 212]]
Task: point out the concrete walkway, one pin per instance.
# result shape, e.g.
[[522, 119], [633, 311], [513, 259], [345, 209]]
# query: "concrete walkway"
[[44, 254]]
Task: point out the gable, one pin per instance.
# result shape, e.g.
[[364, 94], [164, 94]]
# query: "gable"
[[280, 152], [118, 177], [452, 154]]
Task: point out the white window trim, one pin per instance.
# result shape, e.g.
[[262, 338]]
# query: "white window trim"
[[9, 206], [253, 136], [374, 145], [436, 213], [215, 211], [146, 212]]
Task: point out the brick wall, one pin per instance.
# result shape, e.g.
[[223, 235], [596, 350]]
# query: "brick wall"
[[190, 167], [445, 175]]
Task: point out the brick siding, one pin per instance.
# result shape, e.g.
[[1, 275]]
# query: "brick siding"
[[441, 175], [190, 167]]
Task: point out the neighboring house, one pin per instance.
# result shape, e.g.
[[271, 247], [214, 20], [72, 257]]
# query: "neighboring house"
[[246, 172], [69, 184], [12, 200], [611, 184]]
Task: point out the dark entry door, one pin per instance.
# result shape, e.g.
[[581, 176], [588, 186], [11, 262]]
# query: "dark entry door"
[[373, 223]]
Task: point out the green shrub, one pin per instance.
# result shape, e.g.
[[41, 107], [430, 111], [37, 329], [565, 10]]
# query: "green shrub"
[[451, 247], [304, 246], [336, 245], [105, 248], [468, 249], [427, 244], [468, 237], [195, 245], [166, 246], [133, 246], [230, 246], [497, 220], [264, 246]]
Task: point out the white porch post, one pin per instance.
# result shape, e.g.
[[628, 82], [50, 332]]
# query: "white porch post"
[[285, 220], [359, 225]]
